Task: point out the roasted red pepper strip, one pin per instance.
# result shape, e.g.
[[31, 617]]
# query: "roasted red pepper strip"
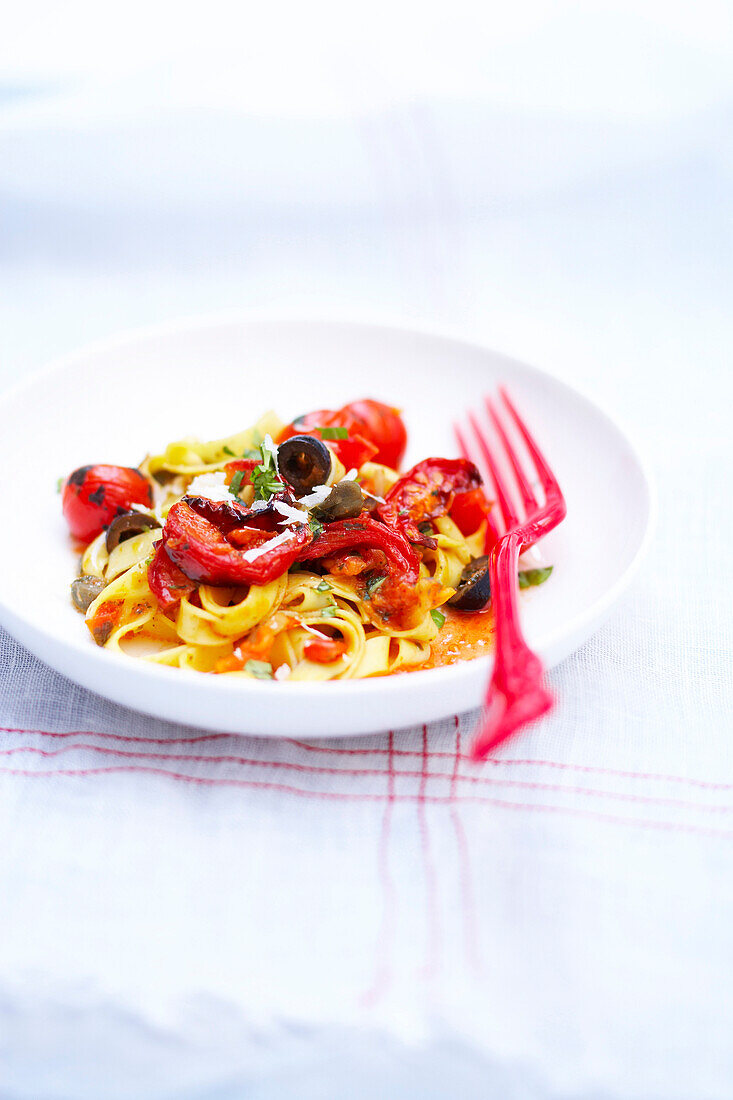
[[167, 582], [201, 550], [230, 514], [364, 531], [426, 492]]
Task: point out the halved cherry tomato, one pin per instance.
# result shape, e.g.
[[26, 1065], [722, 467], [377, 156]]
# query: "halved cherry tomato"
[[323, 650], [469, 510], [353, 451], [94, 495], [369, 422], [383, 426], [426, 492]]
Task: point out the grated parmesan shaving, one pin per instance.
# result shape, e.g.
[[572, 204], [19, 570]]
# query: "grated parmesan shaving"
[[258, 551], [291, 514], [282, 672], [210, 486], [319, 494]]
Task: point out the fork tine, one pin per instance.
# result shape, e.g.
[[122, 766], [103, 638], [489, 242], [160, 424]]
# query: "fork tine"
[[548, 479], [492, 531], [525, 488], [461, 441], [507, 508]]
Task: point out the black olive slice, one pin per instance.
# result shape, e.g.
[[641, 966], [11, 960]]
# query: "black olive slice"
[[127, 526], [474, 588], [85, 589], [304, 461], [345, 501]]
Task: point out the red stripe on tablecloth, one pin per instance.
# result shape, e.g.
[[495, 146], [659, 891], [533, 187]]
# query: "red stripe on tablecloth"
[[470, 930], [383, 950], [433, 950], [119, 736], [453, 778], [532, 807], [591, 769], [709, 784]]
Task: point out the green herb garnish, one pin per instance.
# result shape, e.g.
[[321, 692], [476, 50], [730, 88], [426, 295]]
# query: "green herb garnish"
[[330, 611], [323, 586], [228, 451], [332, 433], [530, 578], [261, 670], [373, 586], [60, 484], [438, 617], [236, 483], [316, 527], [265, 476]]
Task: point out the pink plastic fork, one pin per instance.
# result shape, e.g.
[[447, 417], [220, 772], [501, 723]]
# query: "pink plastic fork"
[[516, 693]]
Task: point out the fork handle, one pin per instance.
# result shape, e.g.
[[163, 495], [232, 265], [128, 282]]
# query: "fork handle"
[[516, 694]]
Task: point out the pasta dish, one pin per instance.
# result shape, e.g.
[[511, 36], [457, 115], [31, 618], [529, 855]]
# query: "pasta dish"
[[287, 552]]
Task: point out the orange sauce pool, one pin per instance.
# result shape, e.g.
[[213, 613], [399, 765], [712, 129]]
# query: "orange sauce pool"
[[464, 635]]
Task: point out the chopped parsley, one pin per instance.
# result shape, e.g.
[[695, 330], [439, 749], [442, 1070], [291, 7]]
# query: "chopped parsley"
[[330, 611], [332, 433], [323, 586], [228, 451], [438, 617], [265, 476], [60, 484], [373, 586], [530, 578], [236, 483], [316, 527], [261, 670]]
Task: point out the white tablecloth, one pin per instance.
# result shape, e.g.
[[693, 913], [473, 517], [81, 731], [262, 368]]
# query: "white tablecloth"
[[197, 915]]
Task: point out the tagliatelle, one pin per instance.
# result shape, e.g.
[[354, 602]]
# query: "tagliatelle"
[[314, 579]]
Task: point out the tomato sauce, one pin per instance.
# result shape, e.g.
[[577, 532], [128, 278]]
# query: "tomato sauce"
[[464, 635]]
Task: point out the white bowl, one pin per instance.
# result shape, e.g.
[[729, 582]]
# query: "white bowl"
[[116, 401]]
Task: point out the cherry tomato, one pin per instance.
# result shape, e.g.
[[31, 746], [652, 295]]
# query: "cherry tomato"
[[352, 452], [93, 495], [469, 510], [373, 425], [383, 426]]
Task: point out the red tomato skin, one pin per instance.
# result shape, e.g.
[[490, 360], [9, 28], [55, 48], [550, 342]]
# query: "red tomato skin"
[[379, 425], [93, 495], [383, 426], [469, 510], [324, 650]]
